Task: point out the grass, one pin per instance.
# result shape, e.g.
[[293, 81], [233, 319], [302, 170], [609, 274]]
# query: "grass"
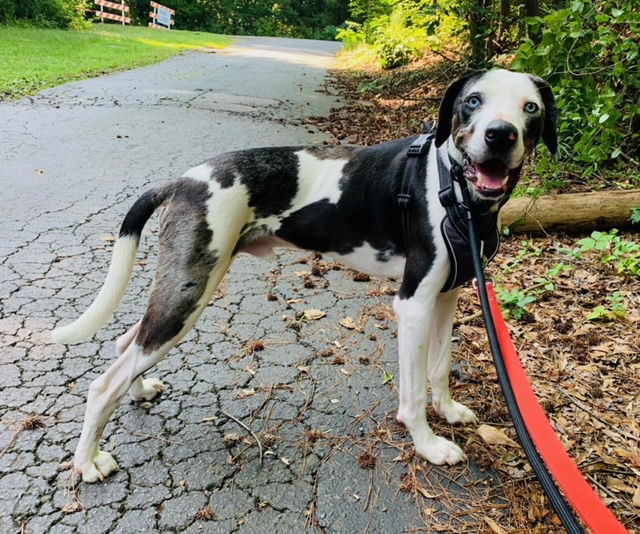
[[32, 59]]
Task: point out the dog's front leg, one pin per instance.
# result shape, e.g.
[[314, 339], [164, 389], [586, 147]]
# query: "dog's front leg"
[[439, 361], [415, 321]]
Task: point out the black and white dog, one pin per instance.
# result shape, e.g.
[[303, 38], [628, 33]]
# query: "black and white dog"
[[335, 200]]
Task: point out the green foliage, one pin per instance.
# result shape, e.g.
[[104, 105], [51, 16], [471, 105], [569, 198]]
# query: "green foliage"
[[635, 215], [527, 251], [514, 303], [400, 30], [589, 53], [45, 13], [615, 310], [285, 18], [622, 253]]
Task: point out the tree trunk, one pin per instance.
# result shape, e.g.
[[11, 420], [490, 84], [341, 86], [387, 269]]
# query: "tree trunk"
[[532, 9], [571, 212]]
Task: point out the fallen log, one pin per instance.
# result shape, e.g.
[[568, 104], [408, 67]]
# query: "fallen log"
[[571, 212]]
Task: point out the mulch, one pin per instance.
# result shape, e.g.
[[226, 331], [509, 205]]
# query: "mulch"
[[586, 373]]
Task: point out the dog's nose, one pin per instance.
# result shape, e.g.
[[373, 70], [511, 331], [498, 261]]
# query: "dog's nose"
[[500, 135]]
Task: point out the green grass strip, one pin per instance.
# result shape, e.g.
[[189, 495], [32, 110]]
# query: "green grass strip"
[[32, 59]]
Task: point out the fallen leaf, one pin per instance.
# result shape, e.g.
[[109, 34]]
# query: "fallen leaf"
[[348, 322], [428, 495], [108, 238], [494, 526], [636, 498], [616, 484], [72, 507], [246, 393], [495, 436], [314, 315]]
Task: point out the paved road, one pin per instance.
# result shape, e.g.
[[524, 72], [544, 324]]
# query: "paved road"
[[72, 161]]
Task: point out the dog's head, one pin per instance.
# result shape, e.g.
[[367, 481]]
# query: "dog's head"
[[495, 119]]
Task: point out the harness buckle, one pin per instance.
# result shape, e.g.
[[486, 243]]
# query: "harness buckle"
[[403, 200], [420, 146]]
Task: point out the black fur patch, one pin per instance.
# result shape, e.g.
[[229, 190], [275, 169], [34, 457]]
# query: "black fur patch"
[[270, 175], [367, 211], [140, 212]]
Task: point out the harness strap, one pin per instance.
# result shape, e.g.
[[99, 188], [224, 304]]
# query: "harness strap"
[[415, 163]]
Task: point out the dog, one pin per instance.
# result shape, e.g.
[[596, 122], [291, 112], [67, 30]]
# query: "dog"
[[338, 200]]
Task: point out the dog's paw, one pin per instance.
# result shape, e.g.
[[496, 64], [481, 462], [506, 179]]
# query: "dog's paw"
[[146, 389], [96, 468], [454, 412], [440, 451]]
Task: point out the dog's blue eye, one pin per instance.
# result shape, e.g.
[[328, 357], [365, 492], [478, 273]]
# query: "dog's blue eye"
[[474, 102], [531, 107]]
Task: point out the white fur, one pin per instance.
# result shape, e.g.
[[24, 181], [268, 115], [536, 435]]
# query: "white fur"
[[364, 259], [501, 104], [109, 297]]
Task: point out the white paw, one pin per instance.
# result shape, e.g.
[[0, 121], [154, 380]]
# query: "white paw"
[[100, 466], [440, 451], [454, 412], [146, 389]]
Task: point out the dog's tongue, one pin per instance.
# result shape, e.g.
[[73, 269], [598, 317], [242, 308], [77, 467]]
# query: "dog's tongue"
[[491, 174]]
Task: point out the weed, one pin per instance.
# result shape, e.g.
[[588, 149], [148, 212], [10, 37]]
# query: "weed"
[[624, 254], [514, 303], [616, 309]]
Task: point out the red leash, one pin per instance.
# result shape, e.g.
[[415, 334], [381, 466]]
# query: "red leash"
[[568, 477]]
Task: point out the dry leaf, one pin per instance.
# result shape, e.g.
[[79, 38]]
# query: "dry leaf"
[[494, 526], [246, 393], [348, 322], [495, 436], [636, 498], [616, 484], [314, 315], [72, 507], [108, 238], [428, 495]]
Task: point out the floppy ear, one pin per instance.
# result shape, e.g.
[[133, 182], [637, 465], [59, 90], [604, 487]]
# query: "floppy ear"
[[445, 114], [550, 114]]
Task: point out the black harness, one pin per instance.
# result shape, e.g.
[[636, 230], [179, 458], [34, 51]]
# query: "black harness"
[[455, 226]]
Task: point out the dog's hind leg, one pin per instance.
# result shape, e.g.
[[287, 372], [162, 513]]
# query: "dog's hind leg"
[[160, 330], [191, 264], [439, 361]]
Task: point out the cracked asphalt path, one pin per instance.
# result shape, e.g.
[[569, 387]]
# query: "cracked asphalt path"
[[73, 160]]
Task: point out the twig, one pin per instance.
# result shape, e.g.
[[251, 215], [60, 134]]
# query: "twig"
[[142, 435], [247, 429], [468, 318], [577, 403]]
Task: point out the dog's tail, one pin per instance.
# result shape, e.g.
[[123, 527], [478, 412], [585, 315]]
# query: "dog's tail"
[[122, 260]]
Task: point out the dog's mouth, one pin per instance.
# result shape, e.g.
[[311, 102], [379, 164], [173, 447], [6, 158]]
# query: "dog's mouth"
[[489, 178]]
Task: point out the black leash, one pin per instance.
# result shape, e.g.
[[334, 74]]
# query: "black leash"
[[558, 502]]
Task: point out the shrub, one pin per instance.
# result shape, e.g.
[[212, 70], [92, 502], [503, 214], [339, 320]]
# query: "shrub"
[[46, 13], [589, 54]]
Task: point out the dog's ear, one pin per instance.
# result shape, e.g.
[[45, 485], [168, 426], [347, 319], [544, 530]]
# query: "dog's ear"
[[445, 114], [549, 135]]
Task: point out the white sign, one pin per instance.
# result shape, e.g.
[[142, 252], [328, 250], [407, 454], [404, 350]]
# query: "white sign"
[[164, 17]]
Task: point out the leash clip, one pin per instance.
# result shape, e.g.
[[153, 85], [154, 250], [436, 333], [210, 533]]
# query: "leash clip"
[[420, 146]]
